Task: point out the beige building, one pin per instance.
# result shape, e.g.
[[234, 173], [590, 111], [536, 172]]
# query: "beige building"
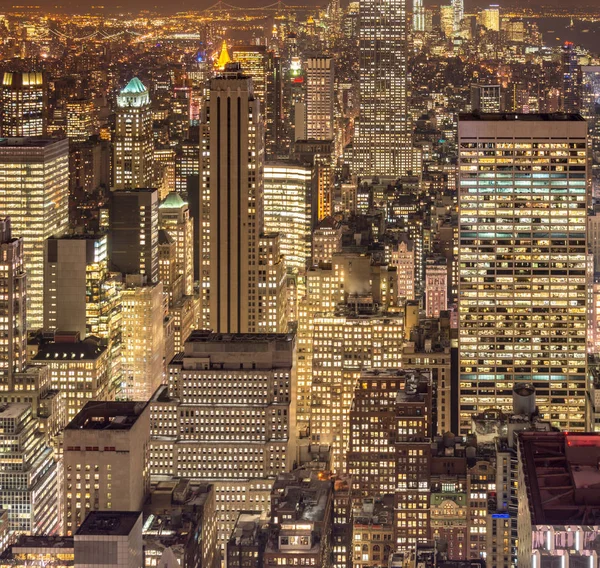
[[174, 217], [227, 415], [344, 343], [105, 460], [143, 337], [231, 187], [319, 97], [79, 370], [77, 294], [401, 255], [326, 241], [373, 532]]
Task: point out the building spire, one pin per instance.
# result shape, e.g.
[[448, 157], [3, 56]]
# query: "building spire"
[[223, 57]]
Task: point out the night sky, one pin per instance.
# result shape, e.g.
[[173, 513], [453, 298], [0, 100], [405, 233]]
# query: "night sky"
[[170, 6]]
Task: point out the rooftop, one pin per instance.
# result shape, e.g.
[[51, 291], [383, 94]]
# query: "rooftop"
[[109, 523], [107, 416], [172, 201], [28, 142], [204, 336], [562, 477], [135, 86], [246, 529], [533, 117], [86, 350], [13, 410]]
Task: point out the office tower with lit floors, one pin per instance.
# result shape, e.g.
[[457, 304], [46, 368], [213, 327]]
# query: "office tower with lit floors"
[[319, 97], [34, 184], [133, 141], [264, 66], [382, 142], [13, 329], [418, 16], [234, 277], [28, 474], [486, 98], [24, 104], [227, 415], [287, 210], [522, 263]]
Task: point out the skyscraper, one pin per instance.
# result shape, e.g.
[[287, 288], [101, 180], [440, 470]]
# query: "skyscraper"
[[174, 217], [231, 206], [485, 98], [319, 97], [75, 270], [382, 141], [134, 232], [571, 91], [13, 326], [106, 450], [221, 380], [287, 210], [81, 119], [34, 192], [28, 473], [418, 16], [24, 104], [134, 145], [490, 18], [143, 339], [522, 263], [458, 8]]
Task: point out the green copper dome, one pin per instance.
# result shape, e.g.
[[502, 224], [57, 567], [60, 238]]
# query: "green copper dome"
[[134, 94], [134, 86], [172, 201]]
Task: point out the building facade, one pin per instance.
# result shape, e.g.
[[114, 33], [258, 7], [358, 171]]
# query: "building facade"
[[523, 277], [34, 181]]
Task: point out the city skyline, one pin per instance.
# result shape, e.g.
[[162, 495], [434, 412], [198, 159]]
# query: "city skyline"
[[300, 286]]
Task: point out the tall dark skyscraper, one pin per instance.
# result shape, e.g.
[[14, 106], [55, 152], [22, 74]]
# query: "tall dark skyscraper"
[[571, 101], [134, 232]]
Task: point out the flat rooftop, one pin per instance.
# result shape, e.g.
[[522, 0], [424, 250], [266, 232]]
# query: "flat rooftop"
[[533, 117], [112, 415], [562, 477], [82, 350], [204, 336], [109, 523], [28, 142], [246, 529], [13, 410]]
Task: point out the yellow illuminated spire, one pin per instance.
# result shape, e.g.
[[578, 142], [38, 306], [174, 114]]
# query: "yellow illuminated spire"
[[223, 57]]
